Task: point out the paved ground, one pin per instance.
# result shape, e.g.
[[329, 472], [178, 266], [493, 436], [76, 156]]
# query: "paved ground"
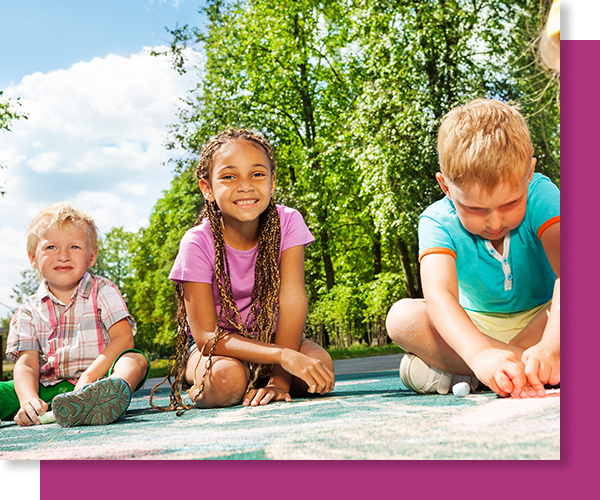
[[342, 367], [370, 415]]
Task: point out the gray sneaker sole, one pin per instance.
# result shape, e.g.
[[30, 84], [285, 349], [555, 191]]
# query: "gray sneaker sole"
[[99, 403]]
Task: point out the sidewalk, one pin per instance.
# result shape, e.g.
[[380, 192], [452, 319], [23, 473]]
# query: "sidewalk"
[[341, 366], [370, 415]]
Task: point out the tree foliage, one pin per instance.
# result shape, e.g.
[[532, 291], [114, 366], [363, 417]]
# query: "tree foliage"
[[351, 94], [150, 294], [115, 256], [8, 113], [28, 286]]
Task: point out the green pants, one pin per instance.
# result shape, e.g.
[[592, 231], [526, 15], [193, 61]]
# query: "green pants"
[[9, 402]]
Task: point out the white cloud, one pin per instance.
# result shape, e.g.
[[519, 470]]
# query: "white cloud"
[[176, 3], [11, 156], [108, 210], [45, 162], [13, 250], [132, 188], [94, 137]]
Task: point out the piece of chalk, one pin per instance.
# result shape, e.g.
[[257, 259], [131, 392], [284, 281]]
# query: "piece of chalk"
[[47, 418], [461, 389]]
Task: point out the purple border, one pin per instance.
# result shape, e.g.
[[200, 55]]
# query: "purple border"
[[581, 175]]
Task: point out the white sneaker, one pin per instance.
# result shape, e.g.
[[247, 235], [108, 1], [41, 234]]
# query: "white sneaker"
[[418, 376]]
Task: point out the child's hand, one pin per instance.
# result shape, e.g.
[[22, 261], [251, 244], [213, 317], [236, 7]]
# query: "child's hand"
[[502, 371], [264, 395], [542, 366], [30, 411], [318, 377]]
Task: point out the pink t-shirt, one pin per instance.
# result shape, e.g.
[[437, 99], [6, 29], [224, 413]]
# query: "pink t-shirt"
[[196, 258]]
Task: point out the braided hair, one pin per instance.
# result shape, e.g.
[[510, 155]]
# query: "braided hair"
[[262, 316]]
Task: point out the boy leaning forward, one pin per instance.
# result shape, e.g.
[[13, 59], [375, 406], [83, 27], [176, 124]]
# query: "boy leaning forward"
[[490, 264], [72, 341]]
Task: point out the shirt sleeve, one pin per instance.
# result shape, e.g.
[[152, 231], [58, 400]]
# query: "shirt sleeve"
[[111, 306], [195, 260], [294, 231], [434, 234], [21, 335], [543, 204]]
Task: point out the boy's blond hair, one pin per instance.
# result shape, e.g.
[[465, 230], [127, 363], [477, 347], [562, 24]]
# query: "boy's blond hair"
[[485, 141], [59, 216]]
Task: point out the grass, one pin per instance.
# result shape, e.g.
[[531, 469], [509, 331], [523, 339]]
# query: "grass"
[[7, 370], [159, 368], [362, 351]]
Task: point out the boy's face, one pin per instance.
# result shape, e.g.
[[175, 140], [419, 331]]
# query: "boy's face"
[[62, 257], [490, 215]]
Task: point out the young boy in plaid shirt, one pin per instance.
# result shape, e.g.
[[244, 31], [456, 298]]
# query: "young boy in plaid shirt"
[[72, 341]]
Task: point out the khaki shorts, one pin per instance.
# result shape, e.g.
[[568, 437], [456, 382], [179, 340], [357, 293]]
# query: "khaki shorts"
[[503, 327]]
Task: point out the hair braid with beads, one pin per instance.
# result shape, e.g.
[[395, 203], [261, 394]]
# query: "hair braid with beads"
[[262, 316]]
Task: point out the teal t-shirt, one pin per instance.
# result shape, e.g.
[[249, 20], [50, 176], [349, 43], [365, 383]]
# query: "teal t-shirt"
[[519, 280]]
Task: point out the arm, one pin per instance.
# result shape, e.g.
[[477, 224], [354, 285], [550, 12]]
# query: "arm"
[[293, 307], [202, 318], [27, 379], [542, 361], [121, 339], [493, 363]]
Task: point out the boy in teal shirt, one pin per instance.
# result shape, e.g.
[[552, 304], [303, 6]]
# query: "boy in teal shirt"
[[490, 264]]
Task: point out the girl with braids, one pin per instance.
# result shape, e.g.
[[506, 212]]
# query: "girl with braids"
[[240, 287]]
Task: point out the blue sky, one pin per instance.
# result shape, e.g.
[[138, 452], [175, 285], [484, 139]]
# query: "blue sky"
[[43, 35], [98, 111]]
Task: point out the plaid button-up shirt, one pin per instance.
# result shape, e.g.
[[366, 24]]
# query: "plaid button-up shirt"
[[69, 337]]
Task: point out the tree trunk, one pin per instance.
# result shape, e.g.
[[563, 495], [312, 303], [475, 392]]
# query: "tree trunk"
[[327, 262], [377, 254], [405, 261]]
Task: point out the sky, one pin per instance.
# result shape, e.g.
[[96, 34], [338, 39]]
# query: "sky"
[[98, 111]]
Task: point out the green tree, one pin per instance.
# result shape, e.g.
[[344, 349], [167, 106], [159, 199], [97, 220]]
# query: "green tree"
[[28, 286], [114, 258], [8, 113], [351, 95], [537, 88], [420, 59], [152, 251], [290, 82]]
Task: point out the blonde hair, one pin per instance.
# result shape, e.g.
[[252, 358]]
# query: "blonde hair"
[[549, 44], [485, 141], [59, 216]]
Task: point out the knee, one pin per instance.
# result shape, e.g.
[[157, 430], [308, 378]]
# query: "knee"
[[227, 383], [315, 351], [141, 363], [134, 363], [403, 320]]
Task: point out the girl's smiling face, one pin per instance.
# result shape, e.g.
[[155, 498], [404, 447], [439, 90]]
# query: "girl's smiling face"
[[241, 181]]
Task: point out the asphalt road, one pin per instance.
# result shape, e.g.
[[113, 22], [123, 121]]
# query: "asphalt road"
[[342, 366]]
